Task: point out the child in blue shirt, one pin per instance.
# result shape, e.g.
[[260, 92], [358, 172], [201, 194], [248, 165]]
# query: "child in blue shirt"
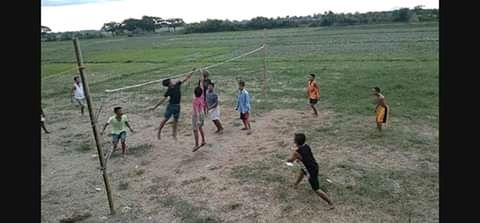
[[243, 105]]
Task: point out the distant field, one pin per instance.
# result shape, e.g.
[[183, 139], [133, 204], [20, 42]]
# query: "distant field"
[[391, 177]]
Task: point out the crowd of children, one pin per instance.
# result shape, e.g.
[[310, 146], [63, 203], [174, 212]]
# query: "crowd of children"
[[205, 102]]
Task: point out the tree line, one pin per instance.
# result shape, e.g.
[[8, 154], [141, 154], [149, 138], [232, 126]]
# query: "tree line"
[[145, 24], [150, 24], [417, 14], [131, 26]]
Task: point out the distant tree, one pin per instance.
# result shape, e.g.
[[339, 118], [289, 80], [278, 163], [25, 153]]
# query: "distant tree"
[[112, 27], [413, 17], [328, 19], [418, 7], [44, 29], [401, 15], [131, 24], [147, 23], [174, 23], [260, 23], [157, 22]]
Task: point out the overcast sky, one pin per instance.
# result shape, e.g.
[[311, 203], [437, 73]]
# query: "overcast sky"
[[74, 15]]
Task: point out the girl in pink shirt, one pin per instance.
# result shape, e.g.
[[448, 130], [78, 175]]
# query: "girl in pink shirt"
[[198, 114]]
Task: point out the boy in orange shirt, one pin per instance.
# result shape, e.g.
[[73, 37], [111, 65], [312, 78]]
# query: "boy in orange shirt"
[[313, 92]]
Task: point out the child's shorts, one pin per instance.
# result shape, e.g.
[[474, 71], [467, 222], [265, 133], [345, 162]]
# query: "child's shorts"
[[172, 110], [215, 113], [117, 137], [197, 122], [81, 101], [244, 116], [313, 101], [312, 179]]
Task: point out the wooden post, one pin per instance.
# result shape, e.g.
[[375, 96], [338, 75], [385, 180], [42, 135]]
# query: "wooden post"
[[93, 121], [264, 51]]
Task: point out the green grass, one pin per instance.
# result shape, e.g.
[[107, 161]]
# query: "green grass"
[[140, 150], [258, 172], [123, 185], [85, 146], [401, 59], [187, 212]]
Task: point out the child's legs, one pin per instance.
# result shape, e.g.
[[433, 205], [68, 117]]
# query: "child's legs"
[[115, 139], [123, 138], [218, 124], [195, 133], [81, 102], [313, 180], [162, 123], [174, 126], [245, 123], [324, 196], [245, 119], [176, 116], [314, 109], [299, 178], [43, 127], [124, 146], [313, 102], [215, 115], [379, 126], [201, 133]]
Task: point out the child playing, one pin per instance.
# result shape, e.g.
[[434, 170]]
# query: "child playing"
[[381, 108], [42, 121], [304, 154], [203, 83], [213, 107], [243, 105], [119, 123], [313, 93], [198, 117], [78, 94], [173, 107]]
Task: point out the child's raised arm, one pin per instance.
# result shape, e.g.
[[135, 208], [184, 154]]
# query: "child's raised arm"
[[189, 75]]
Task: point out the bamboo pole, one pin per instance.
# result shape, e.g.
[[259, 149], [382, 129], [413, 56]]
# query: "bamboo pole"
[[93, 121], [264, 51]]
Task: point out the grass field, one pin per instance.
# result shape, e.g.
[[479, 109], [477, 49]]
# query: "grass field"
[[388, 177]]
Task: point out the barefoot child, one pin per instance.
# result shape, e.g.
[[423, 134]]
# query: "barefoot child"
[[313, 92], [173, 107], [381, 108], [119, 123], [304, 154], [42, 121], [198, 117], [213, 107], [243, 105], [77, 94]]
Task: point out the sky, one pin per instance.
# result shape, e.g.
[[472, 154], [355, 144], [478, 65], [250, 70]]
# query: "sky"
[[75, 15]]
